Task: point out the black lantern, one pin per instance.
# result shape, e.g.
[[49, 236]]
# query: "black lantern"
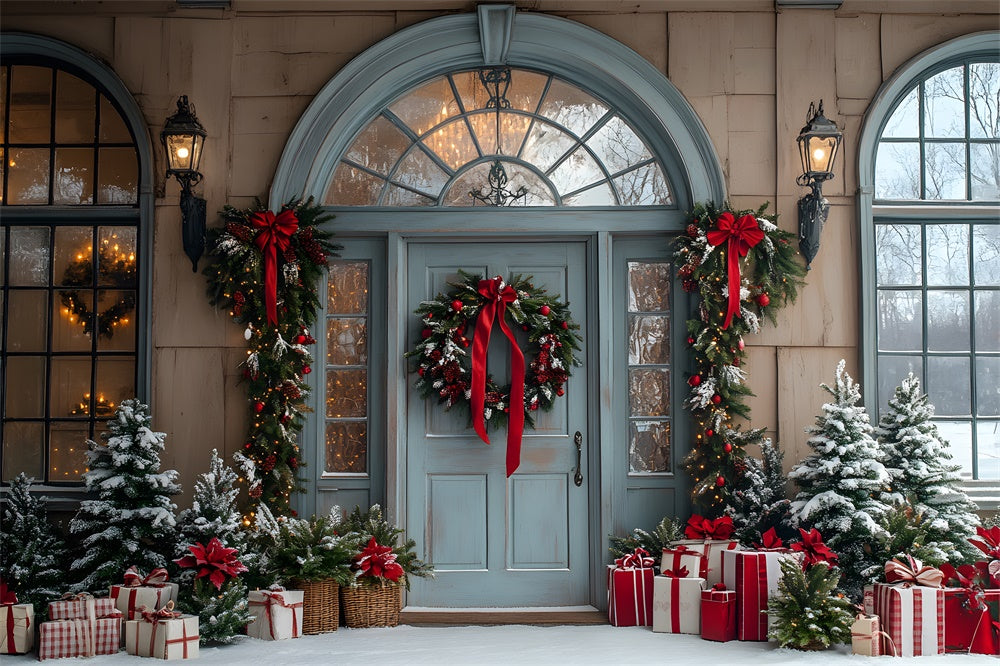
[[819, 143], [183, 139]]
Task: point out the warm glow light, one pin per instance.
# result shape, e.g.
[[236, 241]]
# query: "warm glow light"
[[819, 155], [182, 153]]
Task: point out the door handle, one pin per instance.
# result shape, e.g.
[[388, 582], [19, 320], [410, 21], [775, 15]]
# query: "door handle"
[[578, 440]]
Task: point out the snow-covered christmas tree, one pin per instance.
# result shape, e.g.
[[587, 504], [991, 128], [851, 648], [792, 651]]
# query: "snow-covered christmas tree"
[[841, 483], [918, 461], [758, 503], [33, 553], [132, 520], [213, 511]]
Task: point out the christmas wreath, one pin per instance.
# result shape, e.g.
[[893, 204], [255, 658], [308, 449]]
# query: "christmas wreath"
[[115, 270], [266, 272], [454, 374], [743, 268]]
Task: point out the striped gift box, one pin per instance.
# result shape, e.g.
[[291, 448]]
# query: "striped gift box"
[[912, 617]]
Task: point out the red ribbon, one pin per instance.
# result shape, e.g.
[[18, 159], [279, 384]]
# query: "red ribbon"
[[11, 623], [638, 559], [675, 603], [275, 234], [157, 577], [184, 640], [677, 555], [912, 573], [703, 528], [275, 597], [741, 235], [154, 617], [496, 296]]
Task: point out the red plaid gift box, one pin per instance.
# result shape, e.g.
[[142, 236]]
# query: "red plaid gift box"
[[277, 613], [153, 635], [79, 638], [677, 603], [712, 550], [74, 607], [912, 618], [17, 628], [630, 590], [754, 575], [971, 621], [718, 615]]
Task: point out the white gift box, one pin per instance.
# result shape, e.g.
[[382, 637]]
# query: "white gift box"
[[164, 638], [17, 628], [129, 600], [712, 549], [277, 613], [677, 605]]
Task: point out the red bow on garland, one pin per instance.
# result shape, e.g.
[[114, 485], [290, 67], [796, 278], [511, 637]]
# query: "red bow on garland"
[[496, 295], [275, 233], [157, 577], [704, 528], [741, 235], [913, 572]]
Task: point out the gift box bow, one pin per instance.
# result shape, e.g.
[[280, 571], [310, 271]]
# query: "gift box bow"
[[638, 559], [153, 616], [157, 577], [699, 527], [963, 578], [913, 572], [275, 597], [680, 572]]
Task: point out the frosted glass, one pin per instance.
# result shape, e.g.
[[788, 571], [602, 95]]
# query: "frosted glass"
[[346, 393], [648, 339], [346, 341], [648, 286], [649, 391], [649, 446], [346, 447], [347, 287]]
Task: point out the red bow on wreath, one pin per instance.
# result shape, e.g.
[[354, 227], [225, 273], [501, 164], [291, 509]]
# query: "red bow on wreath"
[[741, 234], [275, 233]]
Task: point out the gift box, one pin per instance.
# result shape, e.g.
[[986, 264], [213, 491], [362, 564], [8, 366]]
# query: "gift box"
[[712, 550], [971, 621], [866, 636], [630, 590], [754, 575], [74, 607], [676, 604], [868, 600], [718, 615], [17, 628], [681, 556], [79, 637], [912, 618], [162, 636], [277, 613], [152, 591]]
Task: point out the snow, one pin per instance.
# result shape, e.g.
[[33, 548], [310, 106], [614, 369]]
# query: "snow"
[[522, 645]]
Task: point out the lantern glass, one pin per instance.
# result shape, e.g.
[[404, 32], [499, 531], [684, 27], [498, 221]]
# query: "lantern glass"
[[184, 152], [822, 153]]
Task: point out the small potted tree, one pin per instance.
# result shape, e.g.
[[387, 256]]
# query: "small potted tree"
[[310, 555]]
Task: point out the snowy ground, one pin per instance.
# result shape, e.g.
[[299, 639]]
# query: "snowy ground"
[[521, 645]]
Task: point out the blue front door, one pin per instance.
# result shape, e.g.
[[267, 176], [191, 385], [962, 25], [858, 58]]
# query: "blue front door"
[[495, 541]]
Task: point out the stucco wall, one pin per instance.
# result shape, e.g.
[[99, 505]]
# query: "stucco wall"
[[750, 75]]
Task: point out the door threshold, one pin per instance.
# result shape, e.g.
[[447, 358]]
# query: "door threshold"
[[426, 616]]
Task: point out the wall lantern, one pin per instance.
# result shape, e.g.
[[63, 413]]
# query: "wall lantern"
[[183, 138], [819, 143]]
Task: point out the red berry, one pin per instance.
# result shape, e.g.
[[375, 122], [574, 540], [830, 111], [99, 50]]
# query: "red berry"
[[736, 362], [560, 391], [247, 445], [456, 305], [534, 406], [728, 447], [716, 399], [299, 339], [692, 230], [694, 380], [763, 299], [426, 333], [720, 481], [420, 371], [545, 310], [564, 325], [690, 341], [464, 341], [306, 370], [258, 406], [709, 432], [526, 327]]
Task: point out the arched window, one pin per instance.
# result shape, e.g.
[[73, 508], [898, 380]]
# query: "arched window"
[[73, 254], [932, 242]]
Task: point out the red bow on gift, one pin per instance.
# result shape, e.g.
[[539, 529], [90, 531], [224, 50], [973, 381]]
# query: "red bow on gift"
[[154, 616], [7, 596], [913, 572], [988, 541], [638, 559], [704, 528], [274, 235], [719, 587], [814, 549], [962, 577], [681, 572], [157, 577], [741, 235]]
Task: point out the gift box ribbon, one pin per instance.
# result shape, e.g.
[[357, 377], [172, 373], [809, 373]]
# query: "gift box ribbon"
[[703, 528], [184, 640], [154, 617], [875, 637], [8, 646], [157, 577], [276, 598], [678, 553], [638, 559], [675, 597], [913, 572]]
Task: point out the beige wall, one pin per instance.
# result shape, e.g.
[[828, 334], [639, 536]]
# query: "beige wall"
[[748, 71]]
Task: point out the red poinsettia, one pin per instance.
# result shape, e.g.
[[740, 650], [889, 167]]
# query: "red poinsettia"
[[988, 541], [377, 561], [770, 541], [814, 549], [215, 561]]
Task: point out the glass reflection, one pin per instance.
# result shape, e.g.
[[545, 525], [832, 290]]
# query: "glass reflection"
[[346, 341], [346, 393], [649, 392], [649, 446], [648, 339], [899, 254], [347, 287], [346, 447], [649, 284]]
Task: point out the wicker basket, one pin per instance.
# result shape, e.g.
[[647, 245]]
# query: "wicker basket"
[[320, 605], [371, 606]]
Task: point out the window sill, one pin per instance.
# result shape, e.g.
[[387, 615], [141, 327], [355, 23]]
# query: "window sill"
[[986, 494]]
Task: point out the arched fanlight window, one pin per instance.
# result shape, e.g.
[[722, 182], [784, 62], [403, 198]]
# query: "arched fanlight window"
[[498, 137]]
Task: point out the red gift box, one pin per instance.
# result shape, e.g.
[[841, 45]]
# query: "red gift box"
[[754, 575], [912, 618], [630, 591], [970, 622], [718, 615]]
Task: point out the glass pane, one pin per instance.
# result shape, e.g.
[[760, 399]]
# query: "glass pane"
[[649, 446], [897, 171], [988, 448], [74, 176], [903, 121], [3, 236], [115, 382], [899, 320], [379, 146], [984, 82], [427, 106], [947, 254], [347, 447], [76, 101], [644, 186], [576, 172], [118, 176], [944, 171], [572, 108], [67, 450], [988, 385], [347, 287], [648, 286], [987, 320], [948, 385], [985, 171], [400, 196], [948, 324], [618, 146], [26, 324], [512, 129], [958, 434], [28, 177], [523, 94], [418, 171], [944, 104], [648, 339], [891, 372], [70, 384], [649, 391], [23, 450], [74, 256], [346, 393], [70, 316], [116, 257], [116, 320], [346, 341], [898, 254], [29, 256], [25, 387], [986, 250], [113, 129], [518, 176], [452, 143], [3, 99], [30, 104], [599, 195], [545, 145], [353, 187]]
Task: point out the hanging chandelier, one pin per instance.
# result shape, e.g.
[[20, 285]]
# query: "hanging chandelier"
[[496, 81]]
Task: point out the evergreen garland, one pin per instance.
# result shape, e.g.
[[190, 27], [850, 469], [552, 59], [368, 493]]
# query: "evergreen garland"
[[115, 270], [277, 355], [771, 277], [666, 531], [808, 614], [906, 531]]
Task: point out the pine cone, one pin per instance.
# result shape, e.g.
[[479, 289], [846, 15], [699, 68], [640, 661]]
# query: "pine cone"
[[290, 255], [290, 390]]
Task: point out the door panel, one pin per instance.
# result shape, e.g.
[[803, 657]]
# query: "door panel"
[[493, 541]]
